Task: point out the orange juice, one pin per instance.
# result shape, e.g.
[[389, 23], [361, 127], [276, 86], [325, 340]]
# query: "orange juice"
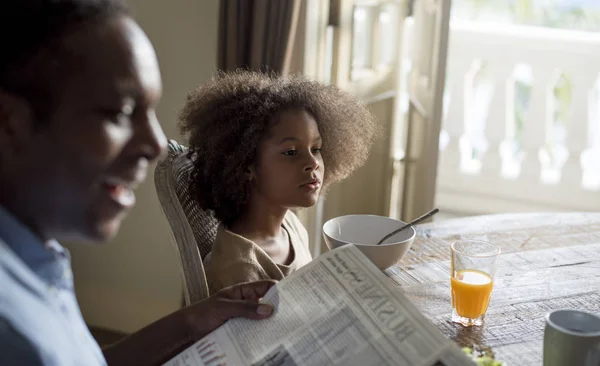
[[471, 291]]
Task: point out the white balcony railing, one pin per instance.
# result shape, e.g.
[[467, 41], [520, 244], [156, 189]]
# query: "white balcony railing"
[[521, 128]]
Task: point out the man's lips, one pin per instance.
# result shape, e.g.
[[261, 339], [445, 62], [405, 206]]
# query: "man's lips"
[[131, 182], [121, 190]]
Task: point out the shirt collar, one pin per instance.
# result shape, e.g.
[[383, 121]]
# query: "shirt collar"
[[50, 261]]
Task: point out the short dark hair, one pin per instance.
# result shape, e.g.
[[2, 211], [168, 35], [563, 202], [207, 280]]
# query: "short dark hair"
[[28, 27], [226, 119]]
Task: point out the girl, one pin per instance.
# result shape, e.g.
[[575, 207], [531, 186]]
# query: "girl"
[[263, 145]]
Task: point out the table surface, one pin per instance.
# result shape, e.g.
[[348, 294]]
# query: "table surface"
[[549, 261]]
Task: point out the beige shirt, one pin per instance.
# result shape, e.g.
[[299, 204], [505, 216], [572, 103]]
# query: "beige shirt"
[[235, 259]]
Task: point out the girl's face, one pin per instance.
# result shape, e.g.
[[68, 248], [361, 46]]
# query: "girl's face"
[[290, 168]]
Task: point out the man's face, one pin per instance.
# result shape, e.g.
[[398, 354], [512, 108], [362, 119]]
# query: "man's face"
[[73, 176]]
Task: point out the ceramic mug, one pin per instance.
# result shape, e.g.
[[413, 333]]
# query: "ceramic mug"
[[572, 338]]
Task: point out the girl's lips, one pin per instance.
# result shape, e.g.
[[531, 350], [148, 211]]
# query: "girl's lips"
[[312, 181], [312, 186]]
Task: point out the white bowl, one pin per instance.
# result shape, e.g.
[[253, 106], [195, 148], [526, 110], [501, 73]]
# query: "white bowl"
[[364, 231]]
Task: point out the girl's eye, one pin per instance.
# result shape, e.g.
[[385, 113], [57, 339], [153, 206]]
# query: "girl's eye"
[[316, 150], [290, 152]]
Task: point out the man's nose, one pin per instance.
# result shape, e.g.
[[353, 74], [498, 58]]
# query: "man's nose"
[[151, 138]]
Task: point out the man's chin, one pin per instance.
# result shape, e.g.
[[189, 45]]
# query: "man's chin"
[[103, 223], [100, 232]]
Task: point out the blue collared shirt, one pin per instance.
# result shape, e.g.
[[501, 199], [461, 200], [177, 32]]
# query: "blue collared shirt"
[[40, 321]]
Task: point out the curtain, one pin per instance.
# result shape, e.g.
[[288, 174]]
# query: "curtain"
[[257, 34]]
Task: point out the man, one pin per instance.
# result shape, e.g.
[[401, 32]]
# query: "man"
[[79, 83]]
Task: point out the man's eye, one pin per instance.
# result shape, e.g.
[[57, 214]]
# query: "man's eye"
[[290, 152], [115, 116], [120, 118], [121, 115]]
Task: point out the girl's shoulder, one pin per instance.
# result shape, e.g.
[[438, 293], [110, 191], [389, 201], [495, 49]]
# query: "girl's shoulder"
[[291, 221], [294, 226]]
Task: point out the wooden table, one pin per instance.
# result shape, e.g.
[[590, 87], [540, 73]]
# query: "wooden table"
[[549, 261]]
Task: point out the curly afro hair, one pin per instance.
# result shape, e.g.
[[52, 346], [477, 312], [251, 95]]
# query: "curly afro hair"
[[226, 119]]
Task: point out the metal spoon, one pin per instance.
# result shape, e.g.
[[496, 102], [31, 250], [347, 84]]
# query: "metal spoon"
[[413, 222]]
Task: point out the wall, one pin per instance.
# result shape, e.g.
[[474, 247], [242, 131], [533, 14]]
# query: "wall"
[[134, 280], [367, 186]]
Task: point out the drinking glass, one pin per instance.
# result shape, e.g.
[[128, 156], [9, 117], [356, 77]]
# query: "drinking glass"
[[472, 270]]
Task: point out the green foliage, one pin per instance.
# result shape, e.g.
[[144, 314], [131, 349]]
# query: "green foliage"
[[570, 15], [482, 356]]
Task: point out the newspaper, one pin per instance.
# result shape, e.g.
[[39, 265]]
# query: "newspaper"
[[338, 310]]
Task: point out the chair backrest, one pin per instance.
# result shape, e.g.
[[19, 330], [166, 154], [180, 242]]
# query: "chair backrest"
[[194, 229]]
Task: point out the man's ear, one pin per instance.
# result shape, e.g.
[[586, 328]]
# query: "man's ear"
[[16, 121], [251, 173]]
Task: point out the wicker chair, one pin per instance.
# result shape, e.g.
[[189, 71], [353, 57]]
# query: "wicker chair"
[[193, 229]]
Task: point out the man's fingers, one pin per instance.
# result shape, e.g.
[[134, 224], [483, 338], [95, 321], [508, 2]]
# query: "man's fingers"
[[247, 291], [240, 301], [228, 309], [207, 315]]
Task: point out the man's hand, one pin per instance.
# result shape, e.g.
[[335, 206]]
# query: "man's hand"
[[165, 338], [240, 300]]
